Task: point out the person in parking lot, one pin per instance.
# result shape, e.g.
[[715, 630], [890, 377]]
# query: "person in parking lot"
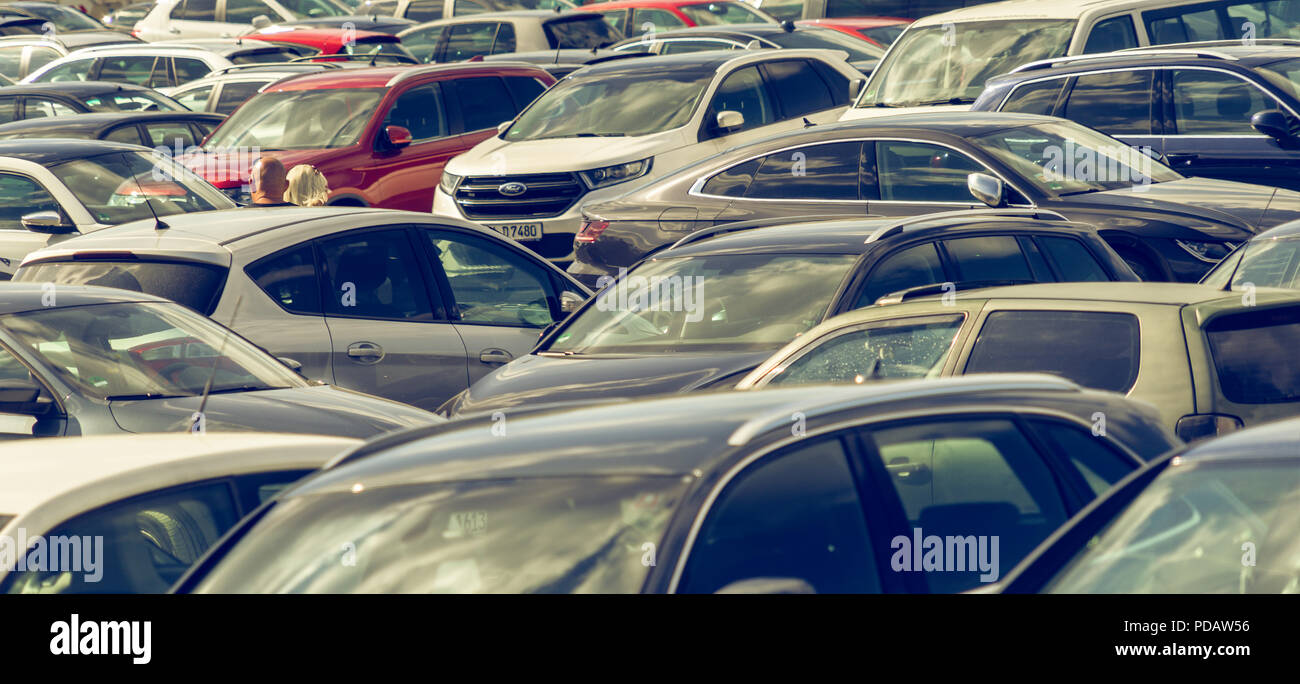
[[307, 186], [269, 183]]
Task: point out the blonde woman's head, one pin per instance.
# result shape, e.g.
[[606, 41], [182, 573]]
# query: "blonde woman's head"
[[307, 186]]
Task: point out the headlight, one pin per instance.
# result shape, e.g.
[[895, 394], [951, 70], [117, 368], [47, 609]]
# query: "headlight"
[[449, 182], [1210, 252], [609, 175]]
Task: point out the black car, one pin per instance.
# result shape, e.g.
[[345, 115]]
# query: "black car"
[[705, 312], [1218, 517], [1166, 227], [151, 129], [42, 100], [818, 489], [1216, 109], [861, 54]]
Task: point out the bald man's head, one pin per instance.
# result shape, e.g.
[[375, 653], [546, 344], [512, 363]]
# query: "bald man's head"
[[270, 181]]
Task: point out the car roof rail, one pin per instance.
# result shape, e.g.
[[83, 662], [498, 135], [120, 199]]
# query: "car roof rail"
[[915, 389], [1121, 54], [372, 58], [924, 219], [941, 288], [272, 66], [735, 226], [1213, 43]]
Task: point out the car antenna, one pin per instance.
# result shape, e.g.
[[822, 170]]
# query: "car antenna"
[[807, 123], [157, 222], [197, 418]]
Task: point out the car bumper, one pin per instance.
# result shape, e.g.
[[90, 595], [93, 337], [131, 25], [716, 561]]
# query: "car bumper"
[[556, 244]]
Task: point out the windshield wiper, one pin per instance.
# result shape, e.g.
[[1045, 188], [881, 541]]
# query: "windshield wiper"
[[147, 395], [947, 101], [242, 388]]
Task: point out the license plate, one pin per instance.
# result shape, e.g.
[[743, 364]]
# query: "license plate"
[[520, 231]]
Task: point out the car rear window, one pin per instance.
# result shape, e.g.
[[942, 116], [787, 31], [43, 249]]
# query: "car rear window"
[[580, 33], [194, 285], [1100, 350], [1254, 354]]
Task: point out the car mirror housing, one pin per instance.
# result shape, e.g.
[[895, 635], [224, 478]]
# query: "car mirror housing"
[[261, 21], [1273, 123], [46, 222], [730, 120], [501, 127], [398, 136], [987, 189], [855, 88]]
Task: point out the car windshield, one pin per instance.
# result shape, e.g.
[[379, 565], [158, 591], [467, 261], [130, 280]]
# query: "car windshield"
[[298, 120], [885, 35], [132, 101], [140, 350], [949, 63], [379, 46], [195, 285], [517, 536], [1285, 74], [1065, 158], [1187, 533], [63, 18], [638, 102], [1261, 263], [314, 9], [580, 33], [726, 302], [827, 39], [129, 186], [714, 13]]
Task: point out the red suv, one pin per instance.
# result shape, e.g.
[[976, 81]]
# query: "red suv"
[[380, 135]]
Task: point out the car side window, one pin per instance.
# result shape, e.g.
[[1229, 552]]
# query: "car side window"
[[1184, 25], [914, 347], [525, 89], [173, 135], [1073, 261], [374, 274], [196, 10], [20, 196], [420, 110], [484, 102], [825, 172], [1034, 98], [1271, 18], [921, 172], [245, 11], [11, 61], [187, 69], [616, 18], [464, 7], [75, 70], [792, 515], [1115, 102], [126, 134], [990, 257], [40, 56], [1100, 350], [677, 46], [140, 546], [505, 38], [424, 10], [798, 88], [1108, 35], [235, 94], [468, 40], [8, 109], [1215, 103], [423, 43], [289, 278], [38, 107], [651, 20], [961, 477], [490, 283], [741, 91], [1098, 462], [908, 268], [127, 69], [195, 99], [732, 182]]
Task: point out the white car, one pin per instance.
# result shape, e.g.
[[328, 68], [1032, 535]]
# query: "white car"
[[137, 509], [461, 38], [204, 19], [943, 60], [158, 65], [429, 10], [636, 117], [224, 90]]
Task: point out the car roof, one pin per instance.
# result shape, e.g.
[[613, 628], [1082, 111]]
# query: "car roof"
[[46, 151], [95, 120], [1287, 230], [383, 76], [18, 297], [619, 4], [955, 123], [1019, 10], [1272, 441], [706, 60], [1220, 53], [1172, 294], [75, 474], [81, 88]]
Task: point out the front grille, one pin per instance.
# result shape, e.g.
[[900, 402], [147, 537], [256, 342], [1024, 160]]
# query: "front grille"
[[547, 195]]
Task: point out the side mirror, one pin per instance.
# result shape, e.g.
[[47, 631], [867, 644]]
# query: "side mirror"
[[22, 396], [398, 136], [294, 364], [987, 189], [768, 585], [570, 301], [261, 21], [855, 88], [501, 127], [1273, 123], [46, 222], [729, 120]]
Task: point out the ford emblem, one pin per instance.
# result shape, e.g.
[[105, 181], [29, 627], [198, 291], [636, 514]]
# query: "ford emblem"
[[512, 189]]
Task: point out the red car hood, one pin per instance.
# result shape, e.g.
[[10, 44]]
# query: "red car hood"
[[231, 168]]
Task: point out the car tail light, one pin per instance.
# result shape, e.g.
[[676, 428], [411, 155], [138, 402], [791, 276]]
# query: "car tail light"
[[590, 231], [1200, 426]]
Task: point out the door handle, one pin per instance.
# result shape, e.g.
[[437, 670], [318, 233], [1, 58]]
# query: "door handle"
[[173, 30], [365, 351], [1182, 158], [495, 356]]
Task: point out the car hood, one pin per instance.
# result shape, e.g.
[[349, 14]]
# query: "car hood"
[[1231, 206], [319, 410], [853, 113], [495, 156], [536, 379], [230, 168]]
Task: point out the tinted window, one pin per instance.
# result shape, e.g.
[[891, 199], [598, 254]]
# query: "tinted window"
[[375, 275], [1112, 34], [8, 109], [1273, 19], [11, 61], [420, 110], [580, 33], [289, 278], [837, 82], [468, 40], [40, 56], [196, 10], [900, 348], [958, 478], [194, 285], [505, 40], [525, 89], [1255, 354], [20, 196], [1115, 102], [135, 70], [742, 91], [1073, 261], [918, 172], [1097, 350], [490, 283], [174, 135], [423, 42], [648, 20], [733, 181], [424, 10], [994, 257], [912, 267], [1034, 98], [244, 11], [1100, 464], [1183, 26], [795, 515], [187, 70], [484, 102], [678, 46], [1215, 103], [196, 99], [40, 107], [234, 94], [827, 172], [76, 70], [798, 88], [126, 134]]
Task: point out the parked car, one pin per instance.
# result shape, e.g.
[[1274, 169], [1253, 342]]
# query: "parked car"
[[224, 90], [724, 300], [1165, 226], [374, 23], [1211, 361], [397, 304], [479, 35], [187, 19], [380, 136], [562, 62], [858, 10], [320, 42], [21, 55], [1220, 110], [125, 18], [879, 31], [40, 100], [944, 59], [54, 189], [172, 130], [638, 17], [622, 120], [22, 26], [1184, 524], [63, 18], [157, 65], [861, 54], [420, 11], [152, 504], [1270, 259], [732, 499], [78, 360]]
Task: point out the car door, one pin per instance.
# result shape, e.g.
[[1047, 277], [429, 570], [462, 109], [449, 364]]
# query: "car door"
[[1209, 133], [195, 19], [499, 297], [405, 177], [918, 177], [292, 325], [389, 336], [20, 196]]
